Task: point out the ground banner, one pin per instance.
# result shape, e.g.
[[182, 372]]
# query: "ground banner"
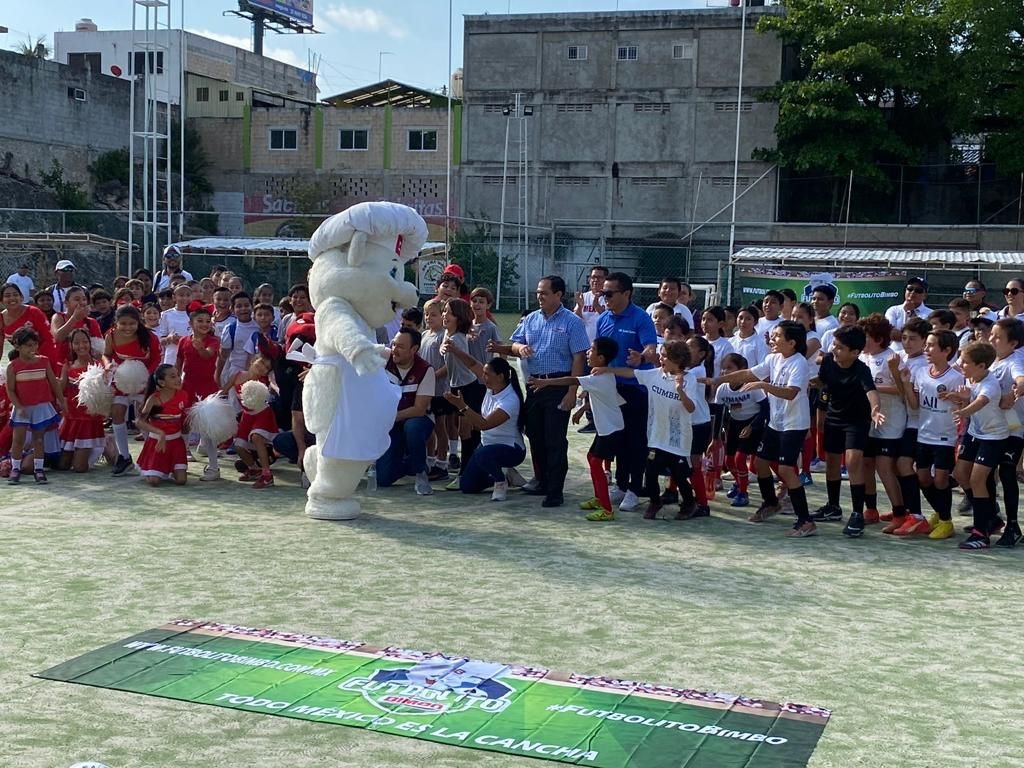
[[872, 291], [593, 721]]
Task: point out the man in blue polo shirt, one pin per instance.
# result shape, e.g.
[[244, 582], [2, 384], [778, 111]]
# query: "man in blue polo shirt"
[[634, 331], [552, 342]]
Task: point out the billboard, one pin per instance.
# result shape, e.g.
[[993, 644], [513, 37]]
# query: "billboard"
[[299, 11], [870, 290]]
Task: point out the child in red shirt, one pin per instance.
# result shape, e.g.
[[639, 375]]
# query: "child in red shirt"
[[33, 390], [164, 455]]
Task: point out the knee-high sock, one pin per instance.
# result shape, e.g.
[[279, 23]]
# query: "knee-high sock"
[[1011, 490], [857, 498], [944, 503], [833, 487], [121, 440], [911, 495], [700, 484], [871, 500], [798, 497], [740, 473], [767, 487], [600, 480]]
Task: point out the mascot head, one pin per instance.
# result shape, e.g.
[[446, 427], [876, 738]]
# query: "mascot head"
[[360, 255]]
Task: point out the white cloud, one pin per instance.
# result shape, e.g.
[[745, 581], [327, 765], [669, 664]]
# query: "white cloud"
[[357, 19], [278, 54]]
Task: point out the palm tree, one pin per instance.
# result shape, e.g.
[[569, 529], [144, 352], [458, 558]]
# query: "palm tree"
[[34, 50]]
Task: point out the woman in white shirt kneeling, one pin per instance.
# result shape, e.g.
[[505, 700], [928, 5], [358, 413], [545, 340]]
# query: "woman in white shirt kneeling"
[[500, 422]]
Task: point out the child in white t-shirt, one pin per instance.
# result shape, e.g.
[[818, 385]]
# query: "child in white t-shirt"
[[747, 414], [604, 403]]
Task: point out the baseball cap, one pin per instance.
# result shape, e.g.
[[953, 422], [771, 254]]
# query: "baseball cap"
[[64, 265], [172, 252], [455, 269]]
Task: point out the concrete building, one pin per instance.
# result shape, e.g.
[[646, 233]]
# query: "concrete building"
[[114, 53], [633, 118]]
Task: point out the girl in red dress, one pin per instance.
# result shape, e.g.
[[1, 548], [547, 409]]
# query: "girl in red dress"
[[128, 339], [164, 455], [256, 428], [76, 304], [197, 365], [33, 390], [17, 314], [81, 432]]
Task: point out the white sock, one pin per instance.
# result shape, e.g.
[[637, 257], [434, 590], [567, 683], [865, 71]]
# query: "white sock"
[[121, 440], [453, 446], [37, 464], [441, 464], [211, 453]]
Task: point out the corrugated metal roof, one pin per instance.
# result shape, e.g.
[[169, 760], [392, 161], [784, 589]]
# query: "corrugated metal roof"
[[258, 246], [872, 256]]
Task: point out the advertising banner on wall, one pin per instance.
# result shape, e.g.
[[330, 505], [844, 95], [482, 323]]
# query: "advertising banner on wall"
[[299, 11], [870, 290]]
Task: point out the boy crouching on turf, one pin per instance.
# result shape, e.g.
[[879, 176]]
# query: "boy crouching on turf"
[[604, 402]]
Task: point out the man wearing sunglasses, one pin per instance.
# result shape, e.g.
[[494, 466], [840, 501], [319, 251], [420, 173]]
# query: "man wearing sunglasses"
[[975, 293], [913, 305]]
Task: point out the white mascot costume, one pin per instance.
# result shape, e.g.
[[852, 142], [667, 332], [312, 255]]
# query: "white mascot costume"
[[356, 284]]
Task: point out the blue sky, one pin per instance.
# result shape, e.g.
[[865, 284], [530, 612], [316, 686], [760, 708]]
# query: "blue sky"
[[413, 32]]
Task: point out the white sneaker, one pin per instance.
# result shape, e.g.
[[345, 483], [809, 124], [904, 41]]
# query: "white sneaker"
[[514, 479], [423, 487], [210, 475], [629, 502], [500, 492], [533, 485], [616, 494]]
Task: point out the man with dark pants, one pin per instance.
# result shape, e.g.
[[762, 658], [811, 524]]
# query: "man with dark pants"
[[634, 332], [552, 343], [407, 454]]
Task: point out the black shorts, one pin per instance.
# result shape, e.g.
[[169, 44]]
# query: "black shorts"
[[701, 438], [908, 443], [296, 403], [1013, 447], [840, 438], [736, 444], [607, 446], [472, 394], [783, 447], [878, 446], [988, 453], [441, 407], [938, 456]]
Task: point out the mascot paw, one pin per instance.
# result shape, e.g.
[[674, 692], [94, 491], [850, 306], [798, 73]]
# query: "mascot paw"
[[370, 360], [320, 508]]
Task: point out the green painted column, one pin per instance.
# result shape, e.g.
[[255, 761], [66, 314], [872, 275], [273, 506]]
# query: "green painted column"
[[456, 134], [318, 138]]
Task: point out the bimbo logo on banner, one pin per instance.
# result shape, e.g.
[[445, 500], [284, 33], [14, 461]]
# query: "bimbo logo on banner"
[[435, 686]]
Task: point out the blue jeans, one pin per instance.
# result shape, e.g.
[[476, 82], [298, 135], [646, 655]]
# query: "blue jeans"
[[487, 466], [407, 454]]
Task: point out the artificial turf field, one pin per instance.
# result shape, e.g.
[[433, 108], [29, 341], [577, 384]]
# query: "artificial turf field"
[[914, 645]]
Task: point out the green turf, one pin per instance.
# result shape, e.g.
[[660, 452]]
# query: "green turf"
[[916, 646]]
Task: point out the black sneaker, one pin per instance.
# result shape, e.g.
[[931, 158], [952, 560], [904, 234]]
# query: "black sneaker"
[[977, 540], [669, 497], [702, 510], [453, 461], [437, 473], [587, 428], [854, 526], [1011, 536], [830, 513], [122, 466]]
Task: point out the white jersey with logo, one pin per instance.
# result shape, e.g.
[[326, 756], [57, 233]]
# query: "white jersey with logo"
[[668, 423], [1007, 371], [789, 371], [913, 364], [824, 324], [701, 407], [742, 406], [935, 422], [605, 402], [893, 407], [990, 422], [765, 327], [753, 348]]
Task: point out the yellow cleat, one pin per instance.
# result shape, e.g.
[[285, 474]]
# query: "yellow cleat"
[[601, 515], [943, 530], [591, 504]]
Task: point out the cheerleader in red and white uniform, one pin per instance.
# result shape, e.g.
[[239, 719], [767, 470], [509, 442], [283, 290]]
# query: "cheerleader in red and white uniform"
[[75, 317], [33, 390], [256, 428], [81, 433], [164, 455], [128, 339]]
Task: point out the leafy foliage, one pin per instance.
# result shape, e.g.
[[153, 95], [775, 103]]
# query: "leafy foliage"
[[111, 166], [474, 249], [70, 195]]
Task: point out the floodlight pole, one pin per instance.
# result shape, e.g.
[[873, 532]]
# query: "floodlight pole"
[[739, 113]]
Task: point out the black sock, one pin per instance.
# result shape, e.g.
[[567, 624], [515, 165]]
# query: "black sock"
[[767, 488], [857, 497], [833, 487], [798, 497], [871, 500], [899, 510], [930, 493], [1011, 490], [909, 489], [944, 503], [984, 514]]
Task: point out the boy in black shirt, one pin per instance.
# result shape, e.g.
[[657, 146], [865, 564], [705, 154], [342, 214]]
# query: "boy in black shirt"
[[853, 405]]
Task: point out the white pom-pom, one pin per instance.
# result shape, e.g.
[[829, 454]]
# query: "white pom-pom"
[[131, 377], [94, 391], [255, 395], [3, 375], [213, 417], [99, 346]]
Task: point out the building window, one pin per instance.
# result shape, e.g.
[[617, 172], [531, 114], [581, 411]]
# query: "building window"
[[202, 94], [577, 52], [574, 108], [239, 96], [284, 138], [353, 139], [626, 53], [422, 141], [139, 62], [656, 107], [730, 106], [682, 50], [222, 95], [90, 61], [572, 181], [78, 94]]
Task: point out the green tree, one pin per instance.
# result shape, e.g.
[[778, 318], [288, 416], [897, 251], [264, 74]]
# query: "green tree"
[[475, 250], [197, 162], [111, 166], [876, 84]]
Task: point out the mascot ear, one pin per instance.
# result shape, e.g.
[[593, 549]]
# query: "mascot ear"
[[357, 249]]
